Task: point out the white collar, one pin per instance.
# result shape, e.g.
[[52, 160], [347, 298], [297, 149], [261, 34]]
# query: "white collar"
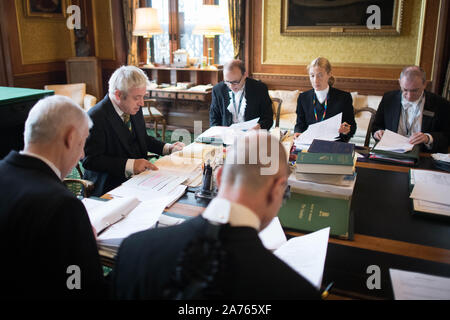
[[322, 95], [116, 107], [43, 159], [414, 104], [223, 211]]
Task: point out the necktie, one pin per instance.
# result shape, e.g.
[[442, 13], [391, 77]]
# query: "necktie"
[[127, 121]]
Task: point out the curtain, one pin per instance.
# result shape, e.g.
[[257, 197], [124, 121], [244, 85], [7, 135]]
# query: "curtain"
[[236, 15], [446, 90], [129, 7]]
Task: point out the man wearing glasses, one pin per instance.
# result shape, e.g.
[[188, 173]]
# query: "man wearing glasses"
[[239, 99], [422, 116]]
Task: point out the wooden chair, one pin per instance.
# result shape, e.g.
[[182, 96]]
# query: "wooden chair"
[[86, 186], [369, 127], [155, 116], [276, 107]]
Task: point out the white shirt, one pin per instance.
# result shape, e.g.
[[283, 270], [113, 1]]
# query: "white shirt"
[[129, 166], [223, 211], [45, 160], [322, 95], [238, 114], [411, 118]]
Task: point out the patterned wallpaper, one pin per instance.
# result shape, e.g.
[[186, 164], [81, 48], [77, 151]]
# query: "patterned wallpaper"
[[43, 39], [372, 50]]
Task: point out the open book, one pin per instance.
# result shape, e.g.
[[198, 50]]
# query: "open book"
[[120, 217]]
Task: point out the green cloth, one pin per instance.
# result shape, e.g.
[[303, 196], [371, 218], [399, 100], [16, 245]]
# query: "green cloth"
[[10, 95]]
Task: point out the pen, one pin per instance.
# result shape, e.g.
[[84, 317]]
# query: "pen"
[[325, 293]]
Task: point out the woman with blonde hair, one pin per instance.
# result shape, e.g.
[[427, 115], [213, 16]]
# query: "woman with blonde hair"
[[324, 101]]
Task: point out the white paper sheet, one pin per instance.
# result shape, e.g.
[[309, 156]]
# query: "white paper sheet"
[[445, 157], [432, 192], [145, 195], [244, 126], [109, 212], [90, 204], [306, 255], [273, 235], [418, 286], [394, 142], [426, 176], [160, 180], [323, 130], [143, 217]]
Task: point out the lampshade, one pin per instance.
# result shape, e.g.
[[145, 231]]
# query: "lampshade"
[[208, 24], [147, 22]]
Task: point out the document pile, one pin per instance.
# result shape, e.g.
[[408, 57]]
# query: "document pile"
[[324, 130], [418, 286], [442, 161], [305, 254], [395, 148], [226, 135], [430, 192]]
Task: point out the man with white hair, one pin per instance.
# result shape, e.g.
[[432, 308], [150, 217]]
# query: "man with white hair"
[[415, 113], [46, 240], [219, 254], [118, 144]]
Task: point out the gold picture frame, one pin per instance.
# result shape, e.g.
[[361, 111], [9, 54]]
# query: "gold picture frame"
[[338, 17], [55, 9]]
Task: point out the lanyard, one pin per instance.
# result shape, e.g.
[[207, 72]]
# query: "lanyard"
[[324, 107], [234, 103], [405, 114]]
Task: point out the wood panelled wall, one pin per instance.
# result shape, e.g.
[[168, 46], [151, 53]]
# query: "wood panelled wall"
[[366, 79], [15, 72]]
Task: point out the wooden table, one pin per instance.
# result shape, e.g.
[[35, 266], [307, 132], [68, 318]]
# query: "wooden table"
[[386, 234]]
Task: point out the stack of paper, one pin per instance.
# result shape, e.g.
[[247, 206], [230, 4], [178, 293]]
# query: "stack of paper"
[[419, 286], [306, 254], [394, 142], [118, 218], [226, 135], [324, 130], [431, 191]]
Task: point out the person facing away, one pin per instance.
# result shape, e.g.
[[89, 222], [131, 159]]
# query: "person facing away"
[[47, 242], [218, 255], [118, 143], [324, 101], [239, 99], [415, 113]]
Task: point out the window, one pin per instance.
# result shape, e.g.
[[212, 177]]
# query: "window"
[[178, 19]]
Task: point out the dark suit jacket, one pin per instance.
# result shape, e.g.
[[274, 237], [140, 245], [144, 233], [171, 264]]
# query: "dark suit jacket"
[[44, 229], [259, 104], [146, 261], [110, 144], [435, 120], [338, 101]]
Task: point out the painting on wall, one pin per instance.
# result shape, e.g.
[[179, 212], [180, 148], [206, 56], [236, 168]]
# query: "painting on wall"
[[45, 8], [340, 17]]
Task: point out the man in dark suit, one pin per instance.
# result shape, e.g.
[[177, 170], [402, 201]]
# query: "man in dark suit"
[[219, 254], [239, 99], [415, 113], [46, 240], [118, 144]]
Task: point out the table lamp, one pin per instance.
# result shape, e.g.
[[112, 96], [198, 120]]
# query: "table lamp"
[[147, 24], [209, 26]]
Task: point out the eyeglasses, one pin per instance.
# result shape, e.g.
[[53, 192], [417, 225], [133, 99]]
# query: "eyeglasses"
[[233, 82]]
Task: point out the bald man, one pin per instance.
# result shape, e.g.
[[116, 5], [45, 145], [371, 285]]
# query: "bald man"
[[415, 113], [47, 245], [219, 254]]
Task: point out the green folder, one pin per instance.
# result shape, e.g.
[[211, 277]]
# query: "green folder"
[[413, 155], [307, 213]]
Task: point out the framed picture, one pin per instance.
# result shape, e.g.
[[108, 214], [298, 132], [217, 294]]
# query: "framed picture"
[[341, 17], [45, 8]]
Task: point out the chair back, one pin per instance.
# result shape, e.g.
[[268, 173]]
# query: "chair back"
[[369, 127]]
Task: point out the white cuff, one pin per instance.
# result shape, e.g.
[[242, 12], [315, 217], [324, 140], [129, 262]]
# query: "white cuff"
[[166, 149], [129, 168], [430, 144]]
